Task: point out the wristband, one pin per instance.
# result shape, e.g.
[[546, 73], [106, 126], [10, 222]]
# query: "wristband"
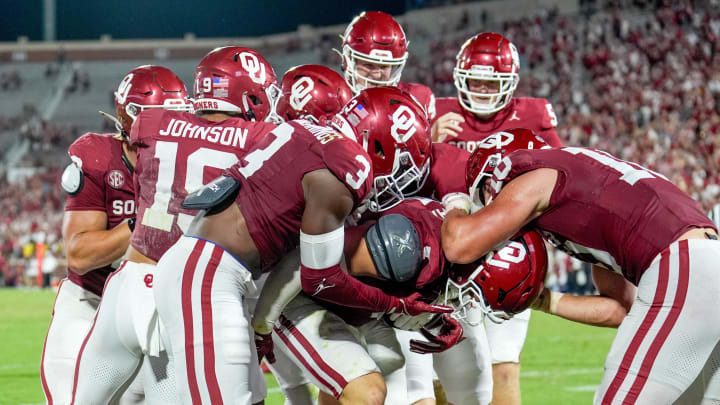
[[554, 300]]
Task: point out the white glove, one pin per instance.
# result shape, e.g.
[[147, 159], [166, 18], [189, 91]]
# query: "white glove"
[[460, 201], [407, 322]]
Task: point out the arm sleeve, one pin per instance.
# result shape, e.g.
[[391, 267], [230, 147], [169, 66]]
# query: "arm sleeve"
[[334, 285]]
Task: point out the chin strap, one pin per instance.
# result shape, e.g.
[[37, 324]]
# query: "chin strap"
[[118, 125]]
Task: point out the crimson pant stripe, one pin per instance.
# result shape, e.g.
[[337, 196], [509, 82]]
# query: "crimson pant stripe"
[[678, 303], [339, 380], [186, 299], [642, 330], [305, 363], [42, 360], [315, 355], [207, 320], [87, 337]]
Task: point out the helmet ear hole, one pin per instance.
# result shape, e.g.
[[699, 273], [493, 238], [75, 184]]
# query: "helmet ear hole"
[[379, 149]]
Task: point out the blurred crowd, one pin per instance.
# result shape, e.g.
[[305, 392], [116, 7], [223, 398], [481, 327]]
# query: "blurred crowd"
[[640, 80], [31, 211]]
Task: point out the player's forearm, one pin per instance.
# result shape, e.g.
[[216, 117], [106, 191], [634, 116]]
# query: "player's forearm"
[[590, 310], [453, 241], [90, 250], [336, 286]]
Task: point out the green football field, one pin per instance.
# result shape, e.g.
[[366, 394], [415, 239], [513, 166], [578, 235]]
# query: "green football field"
[[562, 361]]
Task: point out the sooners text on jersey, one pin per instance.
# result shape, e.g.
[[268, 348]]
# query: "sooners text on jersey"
[[605, 210], [535, 114], [271, 195], [178, 153], [107, 187]]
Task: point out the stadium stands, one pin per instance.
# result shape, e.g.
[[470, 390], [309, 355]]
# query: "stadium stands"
[[638, 81]]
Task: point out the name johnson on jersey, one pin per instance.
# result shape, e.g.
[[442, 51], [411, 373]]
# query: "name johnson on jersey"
[[227, 136]]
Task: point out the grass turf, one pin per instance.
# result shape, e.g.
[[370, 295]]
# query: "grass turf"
[[561, 363]]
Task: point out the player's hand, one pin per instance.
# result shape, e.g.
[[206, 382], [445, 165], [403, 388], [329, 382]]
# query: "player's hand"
[[446, 126], [407, 322], [264, 347], [460, 201], [413, 305], [448, 333]]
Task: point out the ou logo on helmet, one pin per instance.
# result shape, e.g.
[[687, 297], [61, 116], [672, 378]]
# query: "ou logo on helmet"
[[124, 89], [300, 93], [497, 140], [403, 126], [252, 65]]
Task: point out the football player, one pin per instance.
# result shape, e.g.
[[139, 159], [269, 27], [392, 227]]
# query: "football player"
[[257, 212], [99, 217], [406, 163], [638, 229], [235, 90], [486, 75], [315, 93], [374, 53], [312, 92]]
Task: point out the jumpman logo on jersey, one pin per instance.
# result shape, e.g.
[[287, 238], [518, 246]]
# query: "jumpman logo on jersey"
[[321, 287], [514, 116]]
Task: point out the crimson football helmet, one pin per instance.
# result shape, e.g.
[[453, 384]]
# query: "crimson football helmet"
[[504, 282], [393, 129], [312, 92], [144, 87], [373, 37], [489, 57], [490, 151], [237, 80]]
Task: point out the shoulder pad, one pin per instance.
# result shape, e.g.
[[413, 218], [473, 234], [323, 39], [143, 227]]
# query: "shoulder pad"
[[214, 196], [72, 179], [394, 246]]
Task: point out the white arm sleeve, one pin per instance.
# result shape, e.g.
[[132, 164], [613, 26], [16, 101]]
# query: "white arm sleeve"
[[322, 251], [281, 286]]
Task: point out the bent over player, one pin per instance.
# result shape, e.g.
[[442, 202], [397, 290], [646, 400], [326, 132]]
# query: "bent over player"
[[638, 229], [295, 187]]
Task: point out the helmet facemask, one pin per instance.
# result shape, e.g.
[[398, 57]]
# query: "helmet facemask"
[[405, 180], [466, 295], [273, 94], [358, 82], [491, 102], [476, 189]]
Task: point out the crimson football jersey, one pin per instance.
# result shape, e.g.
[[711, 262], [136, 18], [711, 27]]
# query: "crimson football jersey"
[[107, 186], [423, 94], [178, 153], [604, 210], [447, 171], [535, 114], [271, 195], [427, 216]]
